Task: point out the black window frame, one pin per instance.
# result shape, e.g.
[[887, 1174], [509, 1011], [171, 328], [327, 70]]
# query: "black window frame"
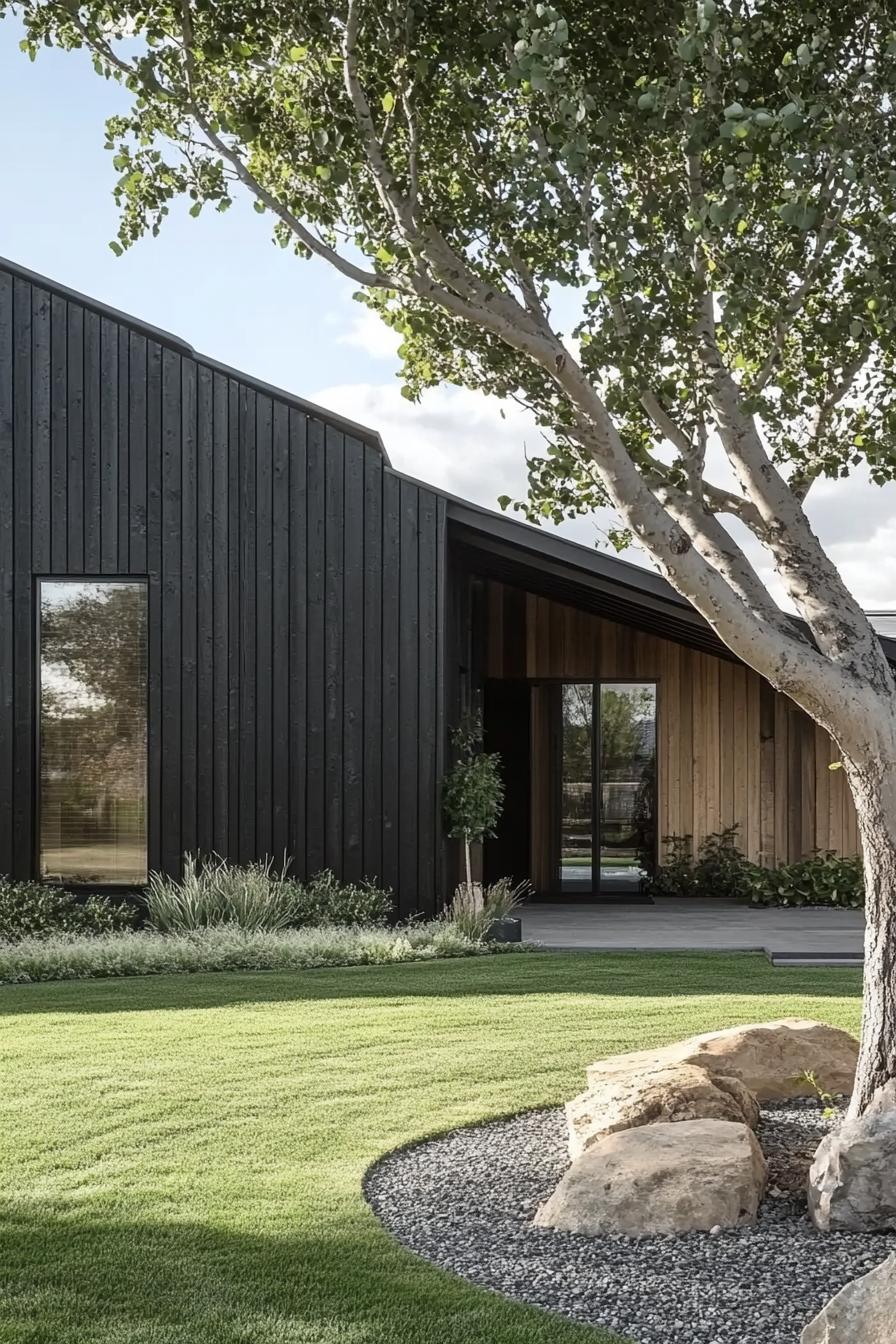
[[106, 888], [598, 892]]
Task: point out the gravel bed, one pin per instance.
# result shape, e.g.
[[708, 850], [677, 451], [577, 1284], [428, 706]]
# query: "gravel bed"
[[466, 1201]]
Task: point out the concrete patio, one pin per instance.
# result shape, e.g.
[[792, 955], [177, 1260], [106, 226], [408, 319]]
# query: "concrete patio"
[[787, 936]]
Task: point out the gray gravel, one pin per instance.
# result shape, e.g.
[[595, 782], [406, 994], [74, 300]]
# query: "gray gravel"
[[465, 1201]]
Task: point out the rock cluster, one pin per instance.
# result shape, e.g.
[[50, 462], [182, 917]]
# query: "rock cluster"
[[662, 1140]]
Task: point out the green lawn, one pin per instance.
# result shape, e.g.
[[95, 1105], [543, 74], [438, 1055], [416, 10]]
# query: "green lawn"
[[182, 1157]]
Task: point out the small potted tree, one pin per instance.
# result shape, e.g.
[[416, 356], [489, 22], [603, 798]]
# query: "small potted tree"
[[473, 798]]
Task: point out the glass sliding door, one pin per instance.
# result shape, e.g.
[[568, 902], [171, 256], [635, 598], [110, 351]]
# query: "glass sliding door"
[[576, 791], [93, 731], [607, 786], [627, 765]]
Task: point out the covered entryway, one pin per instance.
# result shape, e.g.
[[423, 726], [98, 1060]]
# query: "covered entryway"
[[622, 720]]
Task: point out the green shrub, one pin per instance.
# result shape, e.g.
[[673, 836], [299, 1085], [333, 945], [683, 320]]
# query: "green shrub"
[[228, 948], [214, 892], [824, 879], [674, 875], [719, 868], [324, 899], [33, 910], [473, 910]]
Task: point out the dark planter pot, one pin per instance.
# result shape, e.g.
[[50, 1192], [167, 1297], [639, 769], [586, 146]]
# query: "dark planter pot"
[[507, 930]]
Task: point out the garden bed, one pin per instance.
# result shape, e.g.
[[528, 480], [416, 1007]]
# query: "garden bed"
[[229, 948], [466, 1201]]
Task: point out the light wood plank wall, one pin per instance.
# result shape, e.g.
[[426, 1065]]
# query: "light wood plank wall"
[[731, 749]]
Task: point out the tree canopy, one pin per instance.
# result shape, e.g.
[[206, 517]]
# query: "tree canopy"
[[648, 223], [656, 225]]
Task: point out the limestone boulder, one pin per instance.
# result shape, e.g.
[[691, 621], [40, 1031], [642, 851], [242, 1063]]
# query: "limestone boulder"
[[673, 1093], [863, 1313], [769, 1058], [666, 1178], [852, 1182], [883, 1100]]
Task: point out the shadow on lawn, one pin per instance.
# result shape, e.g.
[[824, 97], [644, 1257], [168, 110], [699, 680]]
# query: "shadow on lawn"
[[607, 974], [68, 1279]]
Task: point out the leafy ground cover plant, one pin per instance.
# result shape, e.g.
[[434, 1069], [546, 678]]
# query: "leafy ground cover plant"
[[33, 910], [230, 948], [719, 867], [824, 879]]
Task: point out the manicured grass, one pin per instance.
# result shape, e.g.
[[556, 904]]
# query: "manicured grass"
[[182, 1157]]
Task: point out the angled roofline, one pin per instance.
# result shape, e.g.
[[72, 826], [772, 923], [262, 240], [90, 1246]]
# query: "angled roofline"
[[599, 575], [600, 579], [182, 347]]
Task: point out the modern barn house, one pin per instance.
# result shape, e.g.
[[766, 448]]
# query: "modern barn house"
[[228, 624]]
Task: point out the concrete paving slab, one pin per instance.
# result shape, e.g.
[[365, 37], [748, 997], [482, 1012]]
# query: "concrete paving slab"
[[695, 926]]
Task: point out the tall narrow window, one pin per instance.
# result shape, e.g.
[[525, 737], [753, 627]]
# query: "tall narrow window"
[[627, 815], [93, 731], [576, 787]]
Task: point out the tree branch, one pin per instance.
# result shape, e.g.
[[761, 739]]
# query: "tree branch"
[[802, 480], [794, 304]]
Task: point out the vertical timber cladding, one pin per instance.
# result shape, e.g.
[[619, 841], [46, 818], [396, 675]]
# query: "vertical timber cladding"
[[730, 748], [296, 591]]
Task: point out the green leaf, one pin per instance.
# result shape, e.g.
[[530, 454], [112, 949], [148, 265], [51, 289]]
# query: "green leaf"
[[388, 102], [298, 53]]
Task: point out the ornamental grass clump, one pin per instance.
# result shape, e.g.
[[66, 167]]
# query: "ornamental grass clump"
[[214, 892], [473, 910]]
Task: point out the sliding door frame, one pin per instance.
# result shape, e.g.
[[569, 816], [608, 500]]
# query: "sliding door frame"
[[556, 782]]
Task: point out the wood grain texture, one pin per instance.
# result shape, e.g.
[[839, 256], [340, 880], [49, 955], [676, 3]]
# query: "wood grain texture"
[[731, 750], [296, 591]]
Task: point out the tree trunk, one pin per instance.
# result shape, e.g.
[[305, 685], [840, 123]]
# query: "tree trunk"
[[873, 788], [469, 866]]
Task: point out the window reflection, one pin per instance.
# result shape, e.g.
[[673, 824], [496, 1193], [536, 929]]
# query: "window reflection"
[[93, 731], [576, 802], [627, 822], [607, 755]]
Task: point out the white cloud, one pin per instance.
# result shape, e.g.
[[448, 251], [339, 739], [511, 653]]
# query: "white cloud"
[[455, 439], [458, 440], [368, 332], [868, 564]]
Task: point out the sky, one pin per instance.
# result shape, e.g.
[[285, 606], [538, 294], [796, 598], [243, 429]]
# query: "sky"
[[219, 283]]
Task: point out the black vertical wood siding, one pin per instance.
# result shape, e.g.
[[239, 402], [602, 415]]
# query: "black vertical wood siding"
[[296, 597]]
